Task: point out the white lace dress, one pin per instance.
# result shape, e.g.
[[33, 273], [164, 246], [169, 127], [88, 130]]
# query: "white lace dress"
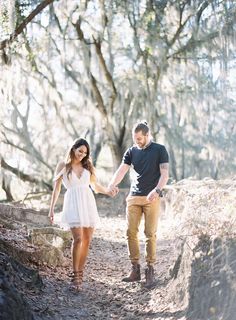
[[79, 207]]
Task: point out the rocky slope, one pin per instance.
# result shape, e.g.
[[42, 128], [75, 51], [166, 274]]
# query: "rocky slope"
[[195, 269]]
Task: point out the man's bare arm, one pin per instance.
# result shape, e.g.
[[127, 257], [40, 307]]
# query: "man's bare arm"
[[164, 169], [119, 175]]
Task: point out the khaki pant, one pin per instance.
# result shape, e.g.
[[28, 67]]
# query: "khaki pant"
[[136, 206]]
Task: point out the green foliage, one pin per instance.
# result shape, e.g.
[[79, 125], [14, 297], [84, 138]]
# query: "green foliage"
[[96, 67]]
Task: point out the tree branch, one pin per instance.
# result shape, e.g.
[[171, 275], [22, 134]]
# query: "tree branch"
[[192, 44], [23, 176], [106, 72], [22, 26], [98, 96]]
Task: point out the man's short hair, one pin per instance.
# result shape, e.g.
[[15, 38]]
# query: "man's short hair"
[[141, 126]]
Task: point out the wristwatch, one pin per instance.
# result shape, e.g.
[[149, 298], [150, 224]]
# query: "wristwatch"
[[159, 192]]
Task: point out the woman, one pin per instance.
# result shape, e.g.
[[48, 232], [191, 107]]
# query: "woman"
[[79, 209]]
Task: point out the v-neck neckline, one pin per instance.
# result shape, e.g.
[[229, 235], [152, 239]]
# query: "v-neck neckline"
[[76, 174]]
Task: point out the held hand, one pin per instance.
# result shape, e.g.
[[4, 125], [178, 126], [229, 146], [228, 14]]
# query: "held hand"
[[115, 191], [152, 195], [112, 191], [51, 216]]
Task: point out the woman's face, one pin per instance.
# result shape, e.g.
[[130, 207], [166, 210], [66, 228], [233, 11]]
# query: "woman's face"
[[80, 153]]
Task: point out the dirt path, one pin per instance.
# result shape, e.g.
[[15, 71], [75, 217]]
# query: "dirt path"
[[104, 295]]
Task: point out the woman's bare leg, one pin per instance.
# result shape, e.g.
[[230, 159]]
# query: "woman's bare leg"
[[77, 234], [87, 234]]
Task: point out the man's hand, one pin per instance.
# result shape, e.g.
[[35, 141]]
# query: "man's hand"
[[152, 195], [112, 190]]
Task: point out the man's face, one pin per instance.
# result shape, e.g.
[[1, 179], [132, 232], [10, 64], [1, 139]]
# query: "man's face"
[[140, 140]]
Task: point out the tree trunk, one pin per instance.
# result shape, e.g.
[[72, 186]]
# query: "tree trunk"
[[7, 188]]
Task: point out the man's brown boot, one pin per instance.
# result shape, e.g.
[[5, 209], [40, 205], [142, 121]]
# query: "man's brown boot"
[[149, 277], [135, 274]]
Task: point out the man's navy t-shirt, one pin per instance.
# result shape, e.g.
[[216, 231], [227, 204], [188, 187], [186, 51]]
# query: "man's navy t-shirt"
[[146, 164]]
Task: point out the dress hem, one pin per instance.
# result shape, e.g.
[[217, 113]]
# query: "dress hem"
[[65, 226]]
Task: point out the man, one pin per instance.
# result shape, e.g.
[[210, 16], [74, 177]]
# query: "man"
[[150, 163]]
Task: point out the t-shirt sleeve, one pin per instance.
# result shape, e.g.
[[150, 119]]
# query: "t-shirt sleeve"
[[164, 157], [127, 157]]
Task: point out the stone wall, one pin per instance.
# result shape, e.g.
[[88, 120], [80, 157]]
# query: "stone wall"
[[12, 212], [109, 207]]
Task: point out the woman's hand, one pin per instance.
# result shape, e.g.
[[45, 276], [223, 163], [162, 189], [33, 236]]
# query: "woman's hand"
[[51, 216], [112, 191]]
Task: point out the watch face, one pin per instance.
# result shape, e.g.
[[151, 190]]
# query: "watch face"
[[159, 192]]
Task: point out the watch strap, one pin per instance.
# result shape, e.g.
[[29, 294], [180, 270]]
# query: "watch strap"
[[159, 191]]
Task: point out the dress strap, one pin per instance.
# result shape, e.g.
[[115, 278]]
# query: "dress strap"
[[60, 173]]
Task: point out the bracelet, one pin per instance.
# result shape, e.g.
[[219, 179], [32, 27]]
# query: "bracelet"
[[159, 192]]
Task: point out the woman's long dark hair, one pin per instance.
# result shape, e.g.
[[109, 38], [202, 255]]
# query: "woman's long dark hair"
[[86, 161]]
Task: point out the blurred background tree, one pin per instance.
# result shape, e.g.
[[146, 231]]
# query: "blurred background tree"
[[94, 68]]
